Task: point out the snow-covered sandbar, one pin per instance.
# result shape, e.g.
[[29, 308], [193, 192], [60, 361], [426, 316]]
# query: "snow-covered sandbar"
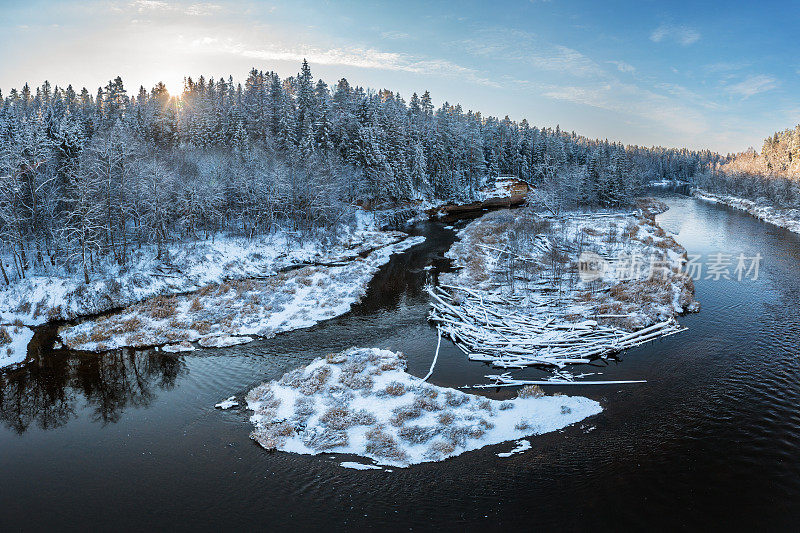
[[363, 402]]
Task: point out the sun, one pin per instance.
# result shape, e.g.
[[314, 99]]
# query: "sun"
[[174, 86]]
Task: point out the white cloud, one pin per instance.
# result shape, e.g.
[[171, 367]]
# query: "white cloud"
[[630, 99], [197, 9], [150, 5], [680, 34], [623, 66], [520, 46], [203, 9], [346, 56], [753, 85], [395, 35]]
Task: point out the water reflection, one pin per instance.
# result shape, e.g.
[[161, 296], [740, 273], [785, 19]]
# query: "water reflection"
[[50, 390]]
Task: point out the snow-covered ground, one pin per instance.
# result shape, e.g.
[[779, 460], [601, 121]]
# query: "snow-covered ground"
[[363, 402], [14, 341], [228, 313], [521, 294], [191, 266], [519, 255], [784, 218]]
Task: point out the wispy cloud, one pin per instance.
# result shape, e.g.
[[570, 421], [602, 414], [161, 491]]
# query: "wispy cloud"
[[623, 66], [346, 56], [630, 99], [525, 47], [200, 10], [726, 66], [150, 5], [395, 35], [197, 9], [753, 85], [682, 35]]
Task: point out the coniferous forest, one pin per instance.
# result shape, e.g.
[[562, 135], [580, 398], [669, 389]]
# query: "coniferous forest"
[[87, 177]]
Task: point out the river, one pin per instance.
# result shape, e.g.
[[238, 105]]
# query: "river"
[[131, 440]]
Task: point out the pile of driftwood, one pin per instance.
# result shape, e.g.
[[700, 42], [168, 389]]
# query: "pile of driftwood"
[[492, 329]]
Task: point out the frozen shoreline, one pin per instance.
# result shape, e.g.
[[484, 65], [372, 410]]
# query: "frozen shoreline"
[[230, 313], [363, 402], [784, 218]]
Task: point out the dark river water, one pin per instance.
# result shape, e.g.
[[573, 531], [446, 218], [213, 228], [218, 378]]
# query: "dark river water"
[[131, 440]]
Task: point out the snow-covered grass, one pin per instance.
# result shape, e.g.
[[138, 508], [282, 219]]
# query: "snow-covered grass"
[[363, 402], [228, 313], [533, 261], [190, 266], [14, 341], [761, 209]]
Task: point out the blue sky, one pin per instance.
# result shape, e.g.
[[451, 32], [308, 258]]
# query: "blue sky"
[[718, 75]]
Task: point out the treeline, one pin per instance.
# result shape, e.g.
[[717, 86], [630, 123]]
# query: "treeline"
[[85, 178], [773, 174]]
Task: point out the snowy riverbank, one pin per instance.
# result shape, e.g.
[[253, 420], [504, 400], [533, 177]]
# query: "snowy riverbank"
[[14, 341], [190, 266], [362, 402], [784, 218], [224, 314]]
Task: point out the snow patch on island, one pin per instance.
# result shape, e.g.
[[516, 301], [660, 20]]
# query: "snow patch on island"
[[14, 342], [363, 402], [223, 341], [227, 404], [358, 466], [184, 346], [522, 445]]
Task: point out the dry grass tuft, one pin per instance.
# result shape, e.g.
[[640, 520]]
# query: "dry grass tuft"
[[315, 382], [395, 388], [337, 418], [530, 391], [5, 337], [161, 307], [440, 449], [417, 434], [426, 404], [273, 435], [99, 334], [455, 398], [631, 230], [382, 444], [335, 358], [325, 439], [402, 414], [446, 418], [203, 327], [196, 305], [131, 324]]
